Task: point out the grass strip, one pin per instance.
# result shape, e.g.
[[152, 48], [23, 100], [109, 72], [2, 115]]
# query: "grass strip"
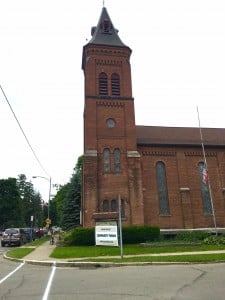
[[20, 252], [38, 242], [94, 251]]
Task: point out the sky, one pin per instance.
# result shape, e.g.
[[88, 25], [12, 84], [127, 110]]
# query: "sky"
[[177, 61]]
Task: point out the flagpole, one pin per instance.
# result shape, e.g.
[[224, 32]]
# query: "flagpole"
[[205, 162], [120, 227]]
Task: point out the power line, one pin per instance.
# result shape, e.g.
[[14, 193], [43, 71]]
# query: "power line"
[[35, 155]]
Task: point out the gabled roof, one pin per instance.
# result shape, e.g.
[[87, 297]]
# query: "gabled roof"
[[190, 136], [105, 33]]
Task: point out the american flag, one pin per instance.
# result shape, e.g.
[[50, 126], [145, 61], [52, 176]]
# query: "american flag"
[[204, 175]]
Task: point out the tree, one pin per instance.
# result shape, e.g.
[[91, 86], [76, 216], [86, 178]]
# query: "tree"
[[10, 204], [57, 203], [36, 210], [72, 200], [31, 202], [25, 189], [71, 208], [19, 201]]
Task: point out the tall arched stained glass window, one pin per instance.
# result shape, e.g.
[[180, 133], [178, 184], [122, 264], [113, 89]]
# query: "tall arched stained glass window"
[[117, 163], [162, 188], [106, 160], [115, 84], [103, 84], [206, 200]]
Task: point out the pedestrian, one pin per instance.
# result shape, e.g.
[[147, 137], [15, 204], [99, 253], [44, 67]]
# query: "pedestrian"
[[51, 236]]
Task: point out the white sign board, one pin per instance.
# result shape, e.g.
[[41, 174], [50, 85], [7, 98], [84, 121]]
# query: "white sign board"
[[106, 234]]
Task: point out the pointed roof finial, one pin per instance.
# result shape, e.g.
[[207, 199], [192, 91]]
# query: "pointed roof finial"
[[103, 2]]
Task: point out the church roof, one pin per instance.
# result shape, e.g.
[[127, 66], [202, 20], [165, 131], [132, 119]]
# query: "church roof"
[[105, 33], [190, 136]]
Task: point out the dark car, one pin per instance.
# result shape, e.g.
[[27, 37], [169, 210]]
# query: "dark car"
[[13, 236], [30, 234]]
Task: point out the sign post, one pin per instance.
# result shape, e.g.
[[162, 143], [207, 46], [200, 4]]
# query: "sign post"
[[31, 228], [120, 227]]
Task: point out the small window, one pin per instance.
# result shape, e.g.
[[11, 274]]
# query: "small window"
[[103, 84], [105, 205], [115, 84], [110, 123], [122, 208], [114, 205]]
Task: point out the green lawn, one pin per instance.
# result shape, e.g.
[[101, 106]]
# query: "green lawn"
[[20, 252], [113, 254], [96, 251]]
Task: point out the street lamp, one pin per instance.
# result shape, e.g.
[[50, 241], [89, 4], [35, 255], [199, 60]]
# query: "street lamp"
[[50, 185]]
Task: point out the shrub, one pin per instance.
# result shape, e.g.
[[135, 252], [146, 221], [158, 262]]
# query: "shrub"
[[214, 240], [80, 237], [192, 236], [130, 234]]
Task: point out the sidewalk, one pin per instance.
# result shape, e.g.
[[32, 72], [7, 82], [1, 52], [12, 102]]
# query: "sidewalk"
[[41, 253]]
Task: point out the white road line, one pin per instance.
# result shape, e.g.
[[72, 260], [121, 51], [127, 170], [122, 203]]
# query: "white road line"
[[11, 273], [45, 297]]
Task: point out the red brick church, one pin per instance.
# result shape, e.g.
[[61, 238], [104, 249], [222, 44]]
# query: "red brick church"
[[156, 172]]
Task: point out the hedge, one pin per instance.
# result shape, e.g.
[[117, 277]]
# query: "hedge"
[[140, 234], [130, 234]]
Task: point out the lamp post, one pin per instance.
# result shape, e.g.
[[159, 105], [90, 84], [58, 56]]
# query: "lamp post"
[[50, 186]]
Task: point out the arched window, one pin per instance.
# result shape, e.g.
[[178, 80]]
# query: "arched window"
[[117, 163], [106, 26], [105, 205], [106, 160], [115, 84], [162, 188], [114, 205], [103, 84], [206, 200]]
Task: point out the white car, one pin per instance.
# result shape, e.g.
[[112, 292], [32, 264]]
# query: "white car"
[[13, 236]]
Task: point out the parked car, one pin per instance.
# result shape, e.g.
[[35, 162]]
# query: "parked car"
[[13, 236], [30, 234], [41, 232]]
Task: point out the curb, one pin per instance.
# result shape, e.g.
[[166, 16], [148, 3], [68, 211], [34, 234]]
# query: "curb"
[[94, 265]]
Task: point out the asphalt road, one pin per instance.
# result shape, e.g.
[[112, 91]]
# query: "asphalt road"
[[23, 281]]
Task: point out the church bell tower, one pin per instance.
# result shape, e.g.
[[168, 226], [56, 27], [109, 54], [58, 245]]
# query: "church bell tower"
[[111, 166]]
